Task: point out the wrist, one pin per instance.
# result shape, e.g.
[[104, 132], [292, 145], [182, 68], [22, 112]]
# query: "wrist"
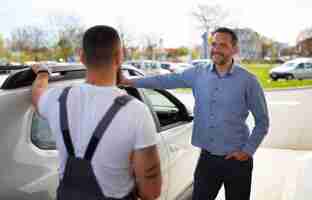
[[43, 69], [43, 72]]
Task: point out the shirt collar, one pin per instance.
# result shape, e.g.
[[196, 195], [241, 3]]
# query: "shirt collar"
[[212, 68]]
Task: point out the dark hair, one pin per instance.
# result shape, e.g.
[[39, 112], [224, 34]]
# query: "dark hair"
[[228, 31], [100, 45]]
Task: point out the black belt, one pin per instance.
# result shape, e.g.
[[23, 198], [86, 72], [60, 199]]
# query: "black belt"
[[205, 152]]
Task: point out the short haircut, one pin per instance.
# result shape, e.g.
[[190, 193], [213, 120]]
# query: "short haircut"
[[100, 45], [228, 31]]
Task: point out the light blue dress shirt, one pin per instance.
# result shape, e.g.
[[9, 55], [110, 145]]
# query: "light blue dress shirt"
[[222, 105]]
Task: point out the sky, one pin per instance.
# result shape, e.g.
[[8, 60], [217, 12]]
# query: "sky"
[[171, 20]]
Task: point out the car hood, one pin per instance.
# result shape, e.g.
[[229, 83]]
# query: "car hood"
[[282, 69]]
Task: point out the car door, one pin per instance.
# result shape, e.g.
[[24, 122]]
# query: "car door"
[[175, 127], [163, 147], [308, 69], [299, 71], [28, 169], [43, 139]]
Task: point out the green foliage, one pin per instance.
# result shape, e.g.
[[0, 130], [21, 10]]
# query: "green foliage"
[[182, 51], [262, 73], [2, 48], [195, 55]]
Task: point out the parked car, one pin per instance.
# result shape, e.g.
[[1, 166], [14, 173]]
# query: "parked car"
[[175, 67], [200, 62], [150, 67], [29, 159], [300, 68]]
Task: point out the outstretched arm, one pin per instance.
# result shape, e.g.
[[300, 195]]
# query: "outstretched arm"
[[40, 84]]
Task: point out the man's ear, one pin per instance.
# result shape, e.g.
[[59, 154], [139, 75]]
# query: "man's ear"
[[82, 56], [235, 50], [119, 57]]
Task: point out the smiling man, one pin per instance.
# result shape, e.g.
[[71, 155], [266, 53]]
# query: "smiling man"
[[224, 94]]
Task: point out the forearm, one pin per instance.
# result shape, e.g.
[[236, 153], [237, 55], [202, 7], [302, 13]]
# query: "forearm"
[[170, 81], [149, 187], [258, 133], [40, 85], [258, 107], [147, 172], [253, 143]]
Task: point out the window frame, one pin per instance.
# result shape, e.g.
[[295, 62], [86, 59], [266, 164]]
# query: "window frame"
[[186, 118]]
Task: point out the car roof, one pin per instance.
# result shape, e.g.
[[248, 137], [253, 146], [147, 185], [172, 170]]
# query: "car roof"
[[201, 60], [60, 72], [300, 60]]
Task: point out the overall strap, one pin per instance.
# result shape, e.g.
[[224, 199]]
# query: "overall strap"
[[104, 123], [64, 122]]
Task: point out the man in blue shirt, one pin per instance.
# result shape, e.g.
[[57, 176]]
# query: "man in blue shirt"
[[224, 95]]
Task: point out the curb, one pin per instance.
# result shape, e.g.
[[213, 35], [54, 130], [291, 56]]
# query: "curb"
[[288, 89]]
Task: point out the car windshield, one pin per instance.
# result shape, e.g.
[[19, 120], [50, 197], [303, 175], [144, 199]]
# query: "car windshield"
[[289, 65]]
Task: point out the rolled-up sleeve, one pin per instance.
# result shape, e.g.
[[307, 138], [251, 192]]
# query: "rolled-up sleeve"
[[258, 106], [184, 79]]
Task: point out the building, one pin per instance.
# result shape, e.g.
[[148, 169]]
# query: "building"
[[250, 44], [304, 43]]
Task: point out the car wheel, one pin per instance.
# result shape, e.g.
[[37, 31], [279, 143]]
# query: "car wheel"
[[274, 79], [289, 77]]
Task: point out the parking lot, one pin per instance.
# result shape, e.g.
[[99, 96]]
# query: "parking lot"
[[282, 166]]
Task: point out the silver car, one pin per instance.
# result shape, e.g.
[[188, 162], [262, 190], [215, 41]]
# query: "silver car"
[[29, 159], [200, 62], [150, 67], [300, 68]]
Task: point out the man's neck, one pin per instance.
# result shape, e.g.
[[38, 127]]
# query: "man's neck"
[[101, 78], [224, 68]]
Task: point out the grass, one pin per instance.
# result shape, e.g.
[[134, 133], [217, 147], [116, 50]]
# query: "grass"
[[262, 72]]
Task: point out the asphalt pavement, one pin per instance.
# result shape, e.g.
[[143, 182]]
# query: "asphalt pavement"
[[283, 163]]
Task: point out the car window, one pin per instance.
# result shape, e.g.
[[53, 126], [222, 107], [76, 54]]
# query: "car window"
[[168, 113], [166, 66], [308, 65], [160, 102], [300, 66], [41, 135]]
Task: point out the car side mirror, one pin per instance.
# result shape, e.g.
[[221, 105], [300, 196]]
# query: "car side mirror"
[[189, 118]]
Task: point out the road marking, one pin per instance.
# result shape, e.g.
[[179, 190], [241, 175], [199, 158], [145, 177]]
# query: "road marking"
[[284, 103]]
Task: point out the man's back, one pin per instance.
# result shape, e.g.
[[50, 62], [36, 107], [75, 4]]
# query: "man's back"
[[86, 105]]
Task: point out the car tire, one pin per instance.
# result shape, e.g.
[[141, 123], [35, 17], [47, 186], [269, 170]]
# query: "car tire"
[[274, 79], [289, 77]]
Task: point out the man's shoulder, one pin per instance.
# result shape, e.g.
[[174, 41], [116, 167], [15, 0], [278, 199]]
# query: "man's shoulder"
[[137, 105], [242, 71]]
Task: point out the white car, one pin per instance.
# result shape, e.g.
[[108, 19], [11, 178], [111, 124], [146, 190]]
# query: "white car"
[[175, 67], [200, 62], [150, 67], [300, 68], [29, 159]]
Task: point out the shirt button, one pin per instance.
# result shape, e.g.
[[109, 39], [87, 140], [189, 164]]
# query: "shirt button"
[[211, 140]]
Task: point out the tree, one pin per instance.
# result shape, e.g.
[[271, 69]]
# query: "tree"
[[175, 53], [68, 32], [150, 43], [126, 38], [28, 38], [210, 17], [2, 47]]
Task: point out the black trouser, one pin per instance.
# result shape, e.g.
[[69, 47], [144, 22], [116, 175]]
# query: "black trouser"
[[212, 171]]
